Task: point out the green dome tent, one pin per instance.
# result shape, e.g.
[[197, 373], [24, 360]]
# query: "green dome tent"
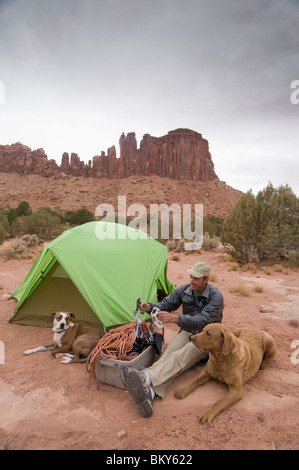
[[97, 271]]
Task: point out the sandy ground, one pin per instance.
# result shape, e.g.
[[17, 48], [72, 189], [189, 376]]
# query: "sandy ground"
[[49, 405]]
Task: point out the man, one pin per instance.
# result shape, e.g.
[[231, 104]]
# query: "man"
[[202, 304]]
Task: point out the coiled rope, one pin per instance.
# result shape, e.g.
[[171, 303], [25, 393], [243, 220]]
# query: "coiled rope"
[[116, 344]]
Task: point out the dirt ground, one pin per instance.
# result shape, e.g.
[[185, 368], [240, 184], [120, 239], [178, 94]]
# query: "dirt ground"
[[49, 405]]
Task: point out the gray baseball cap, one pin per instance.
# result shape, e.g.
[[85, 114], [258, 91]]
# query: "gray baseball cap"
[[199, 270]]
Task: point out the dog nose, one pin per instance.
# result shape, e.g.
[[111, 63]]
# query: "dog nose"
[[62, 325]]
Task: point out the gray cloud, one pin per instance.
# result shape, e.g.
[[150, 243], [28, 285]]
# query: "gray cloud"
[[78, 73]]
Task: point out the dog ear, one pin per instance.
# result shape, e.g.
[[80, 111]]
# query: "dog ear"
[[72, 315], [228, 342], [53, 314]]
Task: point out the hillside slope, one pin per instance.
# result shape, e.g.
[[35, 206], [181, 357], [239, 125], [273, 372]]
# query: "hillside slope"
[[73, 193]]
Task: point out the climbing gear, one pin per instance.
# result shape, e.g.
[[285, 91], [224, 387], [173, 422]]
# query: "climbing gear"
[[125, 342], [154, 314], [141, 330], [158, 338], [147, 335]]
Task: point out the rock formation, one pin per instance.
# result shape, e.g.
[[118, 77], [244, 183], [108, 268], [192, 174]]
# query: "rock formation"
[[182, 154]]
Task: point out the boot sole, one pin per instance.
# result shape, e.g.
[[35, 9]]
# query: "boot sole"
[[140, 392]]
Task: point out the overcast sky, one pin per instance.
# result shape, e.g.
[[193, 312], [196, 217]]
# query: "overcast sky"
[[75, 74]]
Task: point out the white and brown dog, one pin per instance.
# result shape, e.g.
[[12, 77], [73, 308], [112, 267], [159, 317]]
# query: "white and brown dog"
[[69, 336]]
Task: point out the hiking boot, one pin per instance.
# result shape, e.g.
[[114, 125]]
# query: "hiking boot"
[[141, 393]]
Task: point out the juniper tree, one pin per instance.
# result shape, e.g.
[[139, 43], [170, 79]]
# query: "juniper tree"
[[265, 226]]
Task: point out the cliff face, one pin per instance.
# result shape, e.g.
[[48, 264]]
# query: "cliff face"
[[182, 154]]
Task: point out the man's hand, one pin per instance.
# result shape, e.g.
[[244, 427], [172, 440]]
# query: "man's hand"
[[163, 316], [144, 306], [166, 317]]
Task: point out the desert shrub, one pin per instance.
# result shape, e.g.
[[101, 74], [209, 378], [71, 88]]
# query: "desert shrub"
[[227, 258], [2, 234], [43, 223], [264, 227], [79, 217], [60, 213], [231, 266], [16, 227], [171, 245], [15, 249], [174, 245], [249, 267], [4, 221], [240, 289], [23, 209], [11, 215], [240, 228], [21, 248], [266, 270], [258, 288], [210, 242], [31, 240], [68, 215], [212, 225], [278, 268]]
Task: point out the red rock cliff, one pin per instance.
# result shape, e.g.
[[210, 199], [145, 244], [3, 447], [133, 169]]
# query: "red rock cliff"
[[182, 154]]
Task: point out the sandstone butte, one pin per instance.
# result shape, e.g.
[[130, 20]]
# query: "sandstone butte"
[[175, 168], [182, 154]]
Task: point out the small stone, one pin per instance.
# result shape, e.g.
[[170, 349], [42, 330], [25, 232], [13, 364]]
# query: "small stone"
[[6, 297], [266, 309]]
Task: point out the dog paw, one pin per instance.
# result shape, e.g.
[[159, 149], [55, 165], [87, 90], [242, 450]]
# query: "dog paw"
[[59, 355], [206, 417], [66, 358], [181, 393]]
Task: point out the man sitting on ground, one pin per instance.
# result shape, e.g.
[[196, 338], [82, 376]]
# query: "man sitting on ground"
[[202, 304]]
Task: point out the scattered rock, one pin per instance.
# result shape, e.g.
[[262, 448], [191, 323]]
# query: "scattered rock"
[[6, 297], [266, 309]]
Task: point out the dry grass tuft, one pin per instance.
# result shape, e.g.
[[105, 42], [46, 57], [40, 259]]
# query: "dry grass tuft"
[[240, 290], [258, 288]]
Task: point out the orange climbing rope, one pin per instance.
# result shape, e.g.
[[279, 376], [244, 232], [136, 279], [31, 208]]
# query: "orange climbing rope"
[[116, 344]]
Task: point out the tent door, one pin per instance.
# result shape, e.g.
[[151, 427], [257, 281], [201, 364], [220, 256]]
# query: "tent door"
[[56, 292]]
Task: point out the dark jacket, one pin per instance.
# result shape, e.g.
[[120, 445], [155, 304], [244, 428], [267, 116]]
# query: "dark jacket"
[[206, 308]]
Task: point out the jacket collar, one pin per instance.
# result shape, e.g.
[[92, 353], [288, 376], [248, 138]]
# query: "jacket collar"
[[205, 292]]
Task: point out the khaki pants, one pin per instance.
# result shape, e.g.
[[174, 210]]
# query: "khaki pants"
[[180, 355]]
